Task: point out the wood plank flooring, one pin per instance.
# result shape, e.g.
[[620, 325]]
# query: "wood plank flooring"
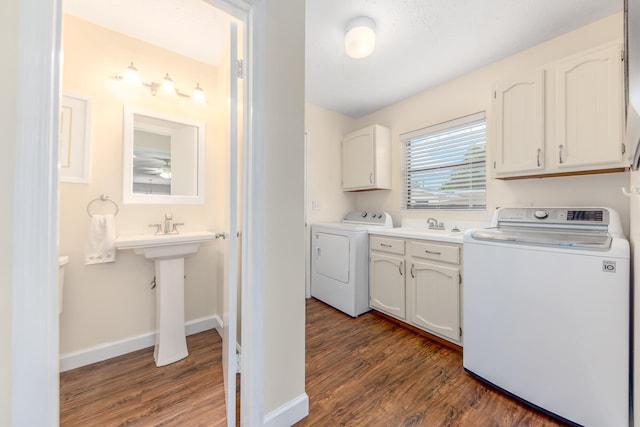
[[130, 390], [366, 371], [371, 372]]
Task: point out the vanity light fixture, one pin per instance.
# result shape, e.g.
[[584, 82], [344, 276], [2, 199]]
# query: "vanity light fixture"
[[132, 76], [360, 38], [198, 94]]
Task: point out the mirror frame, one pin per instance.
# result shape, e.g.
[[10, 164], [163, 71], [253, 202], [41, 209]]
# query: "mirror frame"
[[128, 196]]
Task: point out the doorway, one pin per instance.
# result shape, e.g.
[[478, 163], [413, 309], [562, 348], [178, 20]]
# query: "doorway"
[[38, 242]]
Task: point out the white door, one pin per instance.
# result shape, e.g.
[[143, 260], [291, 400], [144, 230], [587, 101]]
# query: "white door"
[[589, 109], [331, 256], [519, 123], [229, 316]]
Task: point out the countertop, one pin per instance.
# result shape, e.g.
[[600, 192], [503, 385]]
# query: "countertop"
[[421, 234]]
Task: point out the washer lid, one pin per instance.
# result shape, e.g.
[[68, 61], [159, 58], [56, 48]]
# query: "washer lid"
[[545, 237]]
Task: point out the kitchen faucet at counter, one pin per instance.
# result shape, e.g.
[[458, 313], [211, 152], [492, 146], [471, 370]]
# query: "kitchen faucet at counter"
[[433, 224]]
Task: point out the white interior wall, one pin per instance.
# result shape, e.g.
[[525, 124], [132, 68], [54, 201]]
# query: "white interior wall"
[[8, 120], [326, 129], [284, 291], [106, 303], [634, 237]]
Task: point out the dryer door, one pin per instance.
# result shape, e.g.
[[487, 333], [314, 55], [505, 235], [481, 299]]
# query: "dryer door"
[[331, 255]]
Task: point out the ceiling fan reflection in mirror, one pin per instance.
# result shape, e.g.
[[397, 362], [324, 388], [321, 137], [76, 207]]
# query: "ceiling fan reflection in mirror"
[[163, 170]]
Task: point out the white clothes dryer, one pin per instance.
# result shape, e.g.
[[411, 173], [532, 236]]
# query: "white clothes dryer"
[[339, 260]]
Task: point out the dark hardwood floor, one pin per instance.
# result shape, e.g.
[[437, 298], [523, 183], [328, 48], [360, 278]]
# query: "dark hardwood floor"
[[130, 390], [366, 371]]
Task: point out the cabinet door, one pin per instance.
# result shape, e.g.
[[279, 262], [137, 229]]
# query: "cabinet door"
[[519, 124], [589, 109], [386, 284], [358, 156], [434, 298]]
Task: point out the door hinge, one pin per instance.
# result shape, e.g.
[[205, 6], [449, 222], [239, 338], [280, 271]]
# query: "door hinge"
[[238, 362], [240, 68]]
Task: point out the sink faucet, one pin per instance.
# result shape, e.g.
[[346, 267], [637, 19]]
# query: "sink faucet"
[[170, 227], [433, 224]]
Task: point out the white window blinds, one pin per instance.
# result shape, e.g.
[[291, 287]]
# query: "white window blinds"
[[444, 165]]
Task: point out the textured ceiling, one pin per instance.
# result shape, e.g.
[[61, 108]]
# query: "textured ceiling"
[[420, 43]]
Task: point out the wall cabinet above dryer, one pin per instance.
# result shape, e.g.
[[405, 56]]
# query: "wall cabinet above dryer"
[[565, 118], [366, 159]]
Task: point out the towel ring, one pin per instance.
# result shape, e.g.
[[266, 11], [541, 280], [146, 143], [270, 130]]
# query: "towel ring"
[[102, 198]]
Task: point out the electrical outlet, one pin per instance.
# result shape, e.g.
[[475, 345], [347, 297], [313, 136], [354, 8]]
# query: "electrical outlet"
[[315, 205]]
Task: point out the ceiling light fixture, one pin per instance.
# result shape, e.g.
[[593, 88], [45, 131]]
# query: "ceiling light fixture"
[[360, 39], [132, 76]]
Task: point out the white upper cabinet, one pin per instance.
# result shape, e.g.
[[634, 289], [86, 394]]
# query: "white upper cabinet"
[[366, 163], [519, 109], [589, 109], [565, 118]]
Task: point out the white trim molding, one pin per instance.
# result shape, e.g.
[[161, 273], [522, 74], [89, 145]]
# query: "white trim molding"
[[289, 413], [34, 323], [106, 351]]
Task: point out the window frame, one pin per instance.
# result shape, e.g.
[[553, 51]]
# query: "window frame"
[[408, 202]]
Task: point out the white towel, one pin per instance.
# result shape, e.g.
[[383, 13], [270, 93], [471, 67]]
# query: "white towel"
[[100, 242]]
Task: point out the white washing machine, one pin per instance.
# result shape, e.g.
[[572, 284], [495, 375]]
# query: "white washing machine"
[[546, 311], [339, 260]]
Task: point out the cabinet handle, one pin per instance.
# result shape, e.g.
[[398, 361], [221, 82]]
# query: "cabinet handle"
[[384, 245], [433, 253], [400, 267], [538, 158], [413, 276], [371, 178], [560, 147]]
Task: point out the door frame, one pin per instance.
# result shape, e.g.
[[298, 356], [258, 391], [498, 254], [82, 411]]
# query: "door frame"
[[34, 324]]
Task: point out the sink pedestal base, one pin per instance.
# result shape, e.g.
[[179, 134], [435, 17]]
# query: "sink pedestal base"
[[171, 342]]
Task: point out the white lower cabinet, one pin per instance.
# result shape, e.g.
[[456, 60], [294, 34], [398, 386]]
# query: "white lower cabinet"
[[419, 282], [433, 298], [386, 276], [386, 284]]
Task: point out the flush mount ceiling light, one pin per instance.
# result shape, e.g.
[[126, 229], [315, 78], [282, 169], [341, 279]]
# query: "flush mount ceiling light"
[[360, 39], [132, 77]]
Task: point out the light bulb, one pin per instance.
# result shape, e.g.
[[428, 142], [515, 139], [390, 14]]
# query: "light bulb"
[[132, 76], [198, 94], [167, 85]]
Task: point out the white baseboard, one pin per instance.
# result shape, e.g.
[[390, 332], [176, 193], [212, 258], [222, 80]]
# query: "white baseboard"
[[289, 413], [105, 351]]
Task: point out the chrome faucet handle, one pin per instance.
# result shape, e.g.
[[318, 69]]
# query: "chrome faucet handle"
[[167, 223], [175, 230], [158, 228]]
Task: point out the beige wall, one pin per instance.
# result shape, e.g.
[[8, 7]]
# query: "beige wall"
[[8, 118], [109, 302], [472, 93], [284, 297], [326, 129]]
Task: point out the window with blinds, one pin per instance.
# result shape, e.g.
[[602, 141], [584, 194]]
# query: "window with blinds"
[[444, 165]]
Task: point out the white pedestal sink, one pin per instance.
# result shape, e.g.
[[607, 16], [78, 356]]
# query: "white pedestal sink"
[[168, 252]]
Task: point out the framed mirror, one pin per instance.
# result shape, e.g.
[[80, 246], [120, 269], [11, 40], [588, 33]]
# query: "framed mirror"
[[163, 158]]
